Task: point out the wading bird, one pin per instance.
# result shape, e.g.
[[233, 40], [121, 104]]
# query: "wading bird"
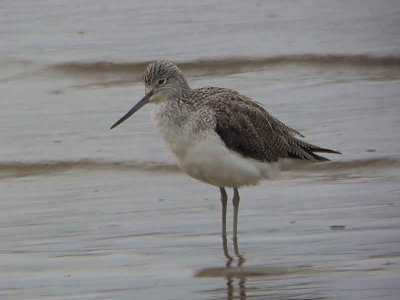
[[219, 136]]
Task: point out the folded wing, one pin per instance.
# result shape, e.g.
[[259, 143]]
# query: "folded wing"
[[247, 128]]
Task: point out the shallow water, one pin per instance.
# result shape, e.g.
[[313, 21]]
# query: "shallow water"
[[88, 213]]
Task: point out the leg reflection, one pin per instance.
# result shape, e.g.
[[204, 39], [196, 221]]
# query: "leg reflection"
[[230, 280], [242, 288], [230, 290]]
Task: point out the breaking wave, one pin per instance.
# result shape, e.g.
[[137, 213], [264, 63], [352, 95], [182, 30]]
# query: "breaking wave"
[[114, 73], [225, 66], [339, 166], [22, 169]]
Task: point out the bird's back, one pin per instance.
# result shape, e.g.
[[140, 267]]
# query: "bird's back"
[[247, 128]]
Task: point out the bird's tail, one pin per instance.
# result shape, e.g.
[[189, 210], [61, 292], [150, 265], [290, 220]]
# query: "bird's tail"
[[305, 151]]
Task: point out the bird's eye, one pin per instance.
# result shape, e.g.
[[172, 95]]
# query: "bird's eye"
[[162, 81]]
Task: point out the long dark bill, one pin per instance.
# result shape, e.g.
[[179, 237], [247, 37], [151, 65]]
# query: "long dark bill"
[[134, 109]]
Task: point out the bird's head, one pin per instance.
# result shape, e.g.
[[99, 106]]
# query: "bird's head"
[[163, 81]]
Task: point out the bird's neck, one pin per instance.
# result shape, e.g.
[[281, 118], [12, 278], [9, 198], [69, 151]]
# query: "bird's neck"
[[184, 92], [173, 110]]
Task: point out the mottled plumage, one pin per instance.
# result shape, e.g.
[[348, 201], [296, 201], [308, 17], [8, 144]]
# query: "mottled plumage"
[[218, 135], [247, 128]]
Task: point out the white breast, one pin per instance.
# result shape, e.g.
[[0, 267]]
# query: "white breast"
[[176, 134], [203, 155]]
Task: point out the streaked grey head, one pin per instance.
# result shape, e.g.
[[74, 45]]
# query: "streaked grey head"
[[163, 81]]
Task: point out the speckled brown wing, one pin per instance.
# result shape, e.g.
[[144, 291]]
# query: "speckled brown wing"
[[247, 128], [244, 126]]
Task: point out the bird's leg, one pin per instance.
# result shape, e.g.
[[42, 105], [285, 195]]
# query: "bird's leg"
[[224, 201], [235, 202]]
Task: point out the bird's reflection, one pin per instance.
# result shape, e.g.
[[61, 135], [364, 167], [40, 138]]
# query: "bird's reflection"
[[236, 275], [230, 280]]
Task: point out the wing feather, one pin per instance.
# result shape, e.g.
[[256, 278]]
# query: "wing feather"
[[247, 128]]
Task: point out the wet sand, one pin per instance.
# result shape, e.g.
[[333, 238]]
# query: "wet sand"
[[88, 213], [104, 233]]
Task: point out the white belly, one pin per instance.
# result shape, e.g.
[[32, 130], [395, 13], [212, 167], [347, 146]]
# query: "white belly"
[[211, 162], [204, 156]]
